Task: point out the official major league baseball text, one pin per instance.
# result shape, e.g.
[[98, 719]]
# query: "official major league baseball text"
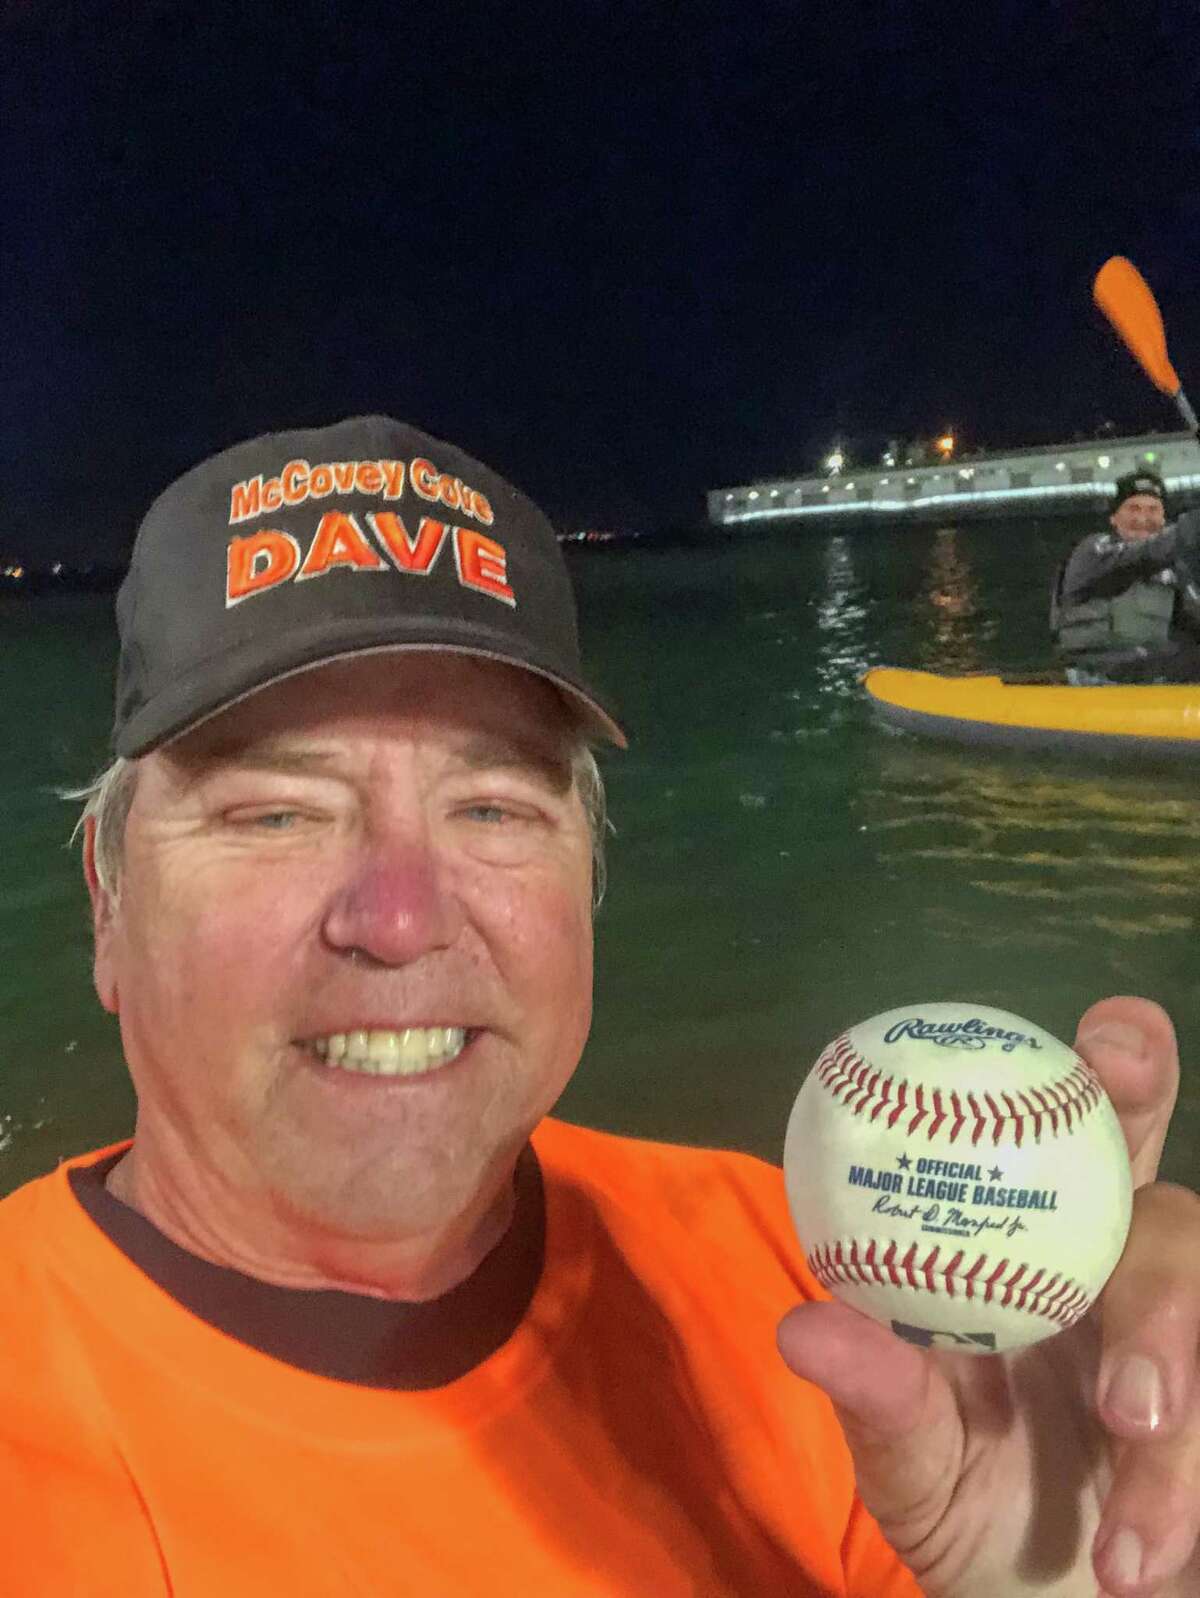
[[959, 1174]]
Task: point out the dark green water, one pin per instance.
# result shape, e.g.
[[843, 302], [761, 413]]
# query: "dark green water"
[[781, 867]]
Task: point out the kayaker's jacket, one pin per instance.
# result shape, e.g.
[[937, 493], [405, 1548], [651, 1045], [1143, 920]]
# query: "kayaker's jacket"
[[1126, 596]]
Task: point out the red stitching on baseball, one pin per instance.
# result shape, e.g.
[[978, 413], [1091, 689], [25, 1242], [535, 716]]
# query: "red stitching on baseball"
[[864, 1089], [1056, 1299]]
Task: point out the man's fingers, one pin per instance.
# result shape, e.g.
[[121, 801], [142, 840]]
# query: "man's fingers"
[[1130, 1044], [1149, 1394], [898, 1413], [1150, 1318], [1148, 1535]]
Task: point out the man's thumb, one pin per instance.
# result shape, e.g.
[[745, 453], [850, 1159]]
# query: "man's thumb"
[[896, 1408]]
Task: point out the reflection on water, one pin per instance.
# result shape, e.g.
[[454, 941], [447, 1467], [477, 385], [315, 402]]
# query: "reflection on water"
[[954, 636], [1084, 851], [842, 618]]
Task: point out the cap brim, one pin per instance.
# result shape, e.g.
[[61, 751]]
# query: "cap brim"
[[218, 685]]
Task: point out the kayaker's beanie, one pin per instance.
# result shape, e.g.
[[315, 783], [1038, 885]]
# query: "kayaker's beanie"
[[294, 549], [1142, 482]]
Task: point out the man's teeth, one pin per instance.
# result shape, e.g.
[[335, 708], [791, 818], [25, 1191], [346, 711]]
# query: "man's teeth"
[[406, 1053]]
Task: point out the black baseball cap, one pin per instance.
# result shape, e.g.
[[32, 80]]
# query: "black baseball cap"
[[1141, 482], [298, 548]]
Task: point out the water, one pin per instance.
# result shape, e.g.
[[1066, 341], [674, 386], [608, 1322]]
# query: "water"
[[782, 867]]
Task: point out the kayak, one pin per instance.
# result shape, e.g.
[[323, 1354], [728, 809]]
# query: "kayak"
[[1040, 712]]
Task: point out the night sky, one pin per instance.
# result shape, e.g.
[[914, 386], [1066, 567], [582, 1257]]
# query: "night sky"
[[622, 252]]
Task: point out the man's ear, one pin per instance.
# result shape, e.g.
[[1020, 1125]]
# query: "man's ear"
[[104, 916]]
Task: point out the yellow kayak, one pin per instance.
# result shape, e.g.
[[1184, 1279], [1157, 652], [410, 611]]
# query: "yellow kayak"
[[1154, 718]]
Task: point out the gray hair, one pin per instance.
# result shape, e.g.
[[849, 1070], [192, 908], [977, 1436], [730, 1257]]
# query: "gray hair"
[[106, 801], [108, 797], [589, 785]]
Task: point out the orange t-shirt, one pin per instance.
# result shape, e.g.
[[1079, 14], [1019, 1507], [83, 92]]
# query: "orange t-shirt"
[[637, 1434]]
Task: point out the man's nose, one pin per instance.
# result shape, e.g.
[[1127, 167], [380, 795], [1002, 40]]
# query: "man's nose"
[[395, 907]]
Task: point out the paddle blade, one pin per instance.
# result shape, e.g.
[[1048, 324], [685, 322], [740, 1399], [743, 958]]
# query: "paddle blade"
[[1124, 296]]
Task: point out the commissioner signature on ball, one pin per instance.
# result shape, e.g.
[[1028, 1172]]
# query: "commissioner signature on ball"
[[971, 1033], [949, 1220]]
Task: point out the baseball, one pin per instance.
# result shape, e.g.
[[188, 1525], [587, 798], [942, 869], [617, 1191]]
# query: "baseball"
[[960, 1175]]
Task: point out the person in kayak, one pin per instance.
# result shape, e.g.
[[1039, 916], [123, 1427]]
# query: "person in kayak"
[[1127, 603], [352, 1312]]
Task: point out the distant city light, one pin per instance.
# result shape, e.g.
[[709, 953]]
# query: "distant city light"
[[982, 482], [946, 444], [888, 458]]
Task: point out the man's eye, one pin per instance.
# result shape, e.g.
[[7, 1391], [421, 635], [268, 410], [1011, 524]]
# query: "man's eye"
[[265, 820], [487, 812]]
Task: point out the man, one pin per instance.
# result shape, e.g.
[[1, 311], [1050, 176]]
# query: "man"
[[350, 1314], [1127, 606]]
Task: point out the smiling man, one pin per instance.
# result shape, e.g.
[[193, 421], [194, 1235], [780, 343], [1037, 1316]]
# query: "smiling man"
[[352, 963], [352, 1313], [1128, 604]]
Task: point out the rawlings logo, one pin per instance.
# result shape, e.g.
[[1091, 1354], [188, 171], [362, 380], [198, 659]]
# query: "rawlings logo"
[[971, 1033]]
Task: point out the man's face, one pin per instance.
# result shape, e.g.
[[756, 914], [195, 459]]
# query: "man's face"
[[384, 856], [1139, 516]]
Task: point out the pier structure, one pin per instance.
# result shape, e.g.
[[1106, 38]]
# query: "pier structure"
[[1056, 479]]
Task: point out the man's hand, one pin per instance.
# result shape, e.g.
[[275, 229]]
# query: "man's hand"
[[1075, 1460], [1187, 555], [1187, 533]]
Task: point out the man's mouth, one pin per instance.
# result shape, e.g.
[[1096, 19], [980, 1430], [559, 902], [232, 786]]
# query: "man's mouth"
[[410, 1052]]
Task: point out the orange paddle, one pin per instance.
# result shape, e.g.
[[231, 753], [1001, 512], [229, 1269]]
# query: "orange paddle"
[[1124, 296]]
